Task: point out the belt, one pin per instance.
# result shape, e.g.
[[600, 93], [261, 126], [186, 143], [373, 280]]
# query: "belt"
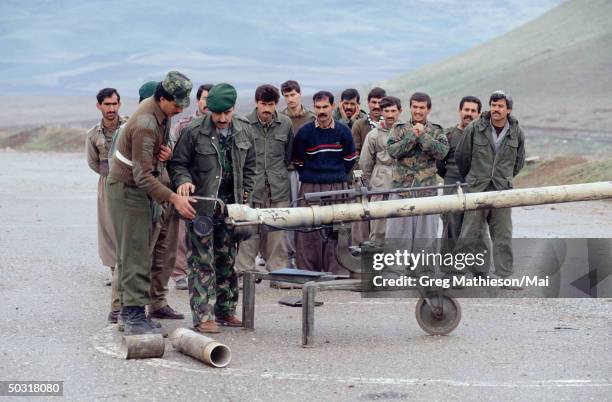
[[123, 158]]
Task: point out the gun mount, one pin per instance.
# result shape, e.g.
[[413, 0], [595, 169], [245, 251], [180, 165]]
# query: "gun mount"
[[436, 312]]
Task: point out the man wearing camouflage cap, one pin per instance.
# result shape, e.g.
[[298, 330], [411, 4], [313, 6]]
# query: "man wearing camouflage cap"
[[214, 157], [164, 235], [135, 193]]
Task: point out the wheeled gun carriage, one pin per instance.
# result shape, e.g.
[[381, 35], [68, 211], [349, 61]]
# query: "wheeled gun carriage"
[[436, 312]]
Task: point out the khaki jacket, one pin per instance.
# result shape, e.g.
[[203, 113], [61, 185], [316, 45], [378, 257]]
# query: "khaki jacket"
[[375, 161], [97, 146]]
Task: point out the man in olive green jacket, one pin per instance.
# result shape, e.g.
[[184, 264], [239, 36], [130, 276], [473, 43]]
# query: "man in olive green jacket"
[[299, 115], [214, 157], [273, 142], [490, 154]]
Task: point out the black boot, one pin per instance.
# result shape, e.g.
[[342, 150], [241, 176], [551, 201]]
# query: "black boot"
[[138, 324], [122, 318]]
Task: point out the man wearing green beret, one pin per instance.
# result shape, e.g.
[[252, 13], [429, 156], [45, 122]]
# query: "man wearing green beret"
[[214, 157], [134, 189], [147, 90]]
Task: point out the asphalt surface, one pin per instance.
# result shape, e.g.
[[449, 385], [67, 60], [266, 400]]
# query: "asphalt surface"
[[54, 306]]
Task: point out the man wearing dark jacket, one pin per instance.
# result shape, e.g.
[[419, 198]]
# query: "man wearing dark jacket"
[[214, 157], [273, 140], [469, 110], [490, 154]]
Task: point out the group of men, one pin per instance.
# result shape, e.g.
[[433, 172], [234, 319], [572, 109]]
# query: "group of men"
[[270, 159]]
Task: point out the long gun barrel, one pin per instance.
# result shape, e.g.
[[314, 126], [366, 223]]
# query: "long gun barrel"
[[316, 215]]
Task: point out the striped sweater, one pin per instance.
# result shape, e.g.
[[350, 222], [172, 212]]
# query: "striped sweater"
[[323, 155]]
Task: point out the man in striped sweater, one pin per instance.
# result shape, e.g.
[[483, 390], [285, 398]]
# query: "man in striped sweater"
[[323, 154]]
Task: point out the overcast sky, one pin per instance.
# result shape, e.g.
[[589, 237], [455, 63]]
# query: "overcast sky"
[[77, 47]]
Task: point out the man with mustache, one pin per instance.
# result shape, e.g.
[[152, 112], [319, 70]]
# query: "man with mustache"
[[98, 143], [469, 110], [375, 161], [273, 140], [214, 157], [360, 231], [348, 112], [490, 154], [363, 126], [323, 154]]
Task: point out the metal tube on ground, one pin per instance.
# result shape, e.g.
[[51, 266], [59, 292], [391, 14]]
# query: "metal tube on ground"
[[201, 347], [142, 346]]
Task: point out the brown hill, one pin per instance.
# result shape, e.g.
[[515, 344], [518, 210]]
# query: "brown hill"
[[558, 68], [46, 138], [565, 170]]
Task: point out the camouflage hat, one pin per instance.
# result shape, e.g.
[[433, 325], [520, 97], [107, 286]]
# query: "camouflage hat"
[[147, 89], [179, 86], [221, 97]]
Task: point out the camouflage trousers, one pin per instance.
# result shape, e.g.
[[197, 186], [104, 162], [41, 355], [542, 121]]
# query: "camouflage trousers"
[[212, 279]]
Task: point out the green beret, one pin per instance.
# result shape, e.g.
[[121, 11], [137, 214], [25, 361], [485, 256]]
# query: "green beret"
[[221, 97], [179, 86], [147, 89]]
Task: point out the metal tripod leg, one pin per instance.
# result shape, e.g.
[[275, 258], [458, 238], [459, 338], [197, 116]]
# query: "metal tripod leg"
[[248, 300], [309, 291]]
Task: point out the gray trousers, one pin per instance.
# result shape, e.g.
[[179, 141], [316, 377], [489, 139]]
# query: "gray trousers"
[[422, 227], [413, 234], [451, 231], [500, 228], [272, 244]]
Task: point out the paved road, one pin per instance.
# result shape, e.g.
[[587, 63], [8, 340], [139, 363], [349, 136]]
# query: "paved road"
[[54, 306]]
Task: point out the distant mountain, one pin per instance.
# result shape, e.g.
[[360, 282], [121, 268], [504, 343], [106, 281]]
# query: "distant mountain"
[[558, 68], [74, 48]]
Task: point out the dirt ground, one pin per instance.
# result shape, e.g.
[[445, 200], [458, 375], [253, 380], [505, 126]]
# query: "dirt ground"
[[54, 307]]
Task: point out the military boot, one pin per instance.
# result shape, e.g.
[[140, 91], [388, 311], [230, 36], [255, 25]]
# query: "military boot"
[[121, 319], [138, 323]]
